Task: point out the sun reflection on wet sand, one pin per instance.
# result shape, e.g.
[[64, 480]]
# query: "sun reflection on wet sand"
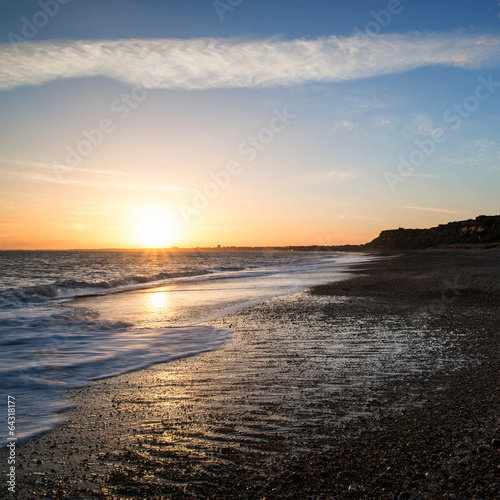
[[158, 305], [196, 301]]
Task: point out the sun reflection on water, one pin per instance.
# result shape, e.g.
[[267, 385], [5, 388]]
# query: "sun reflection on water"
[[157, 306], [158, 300]]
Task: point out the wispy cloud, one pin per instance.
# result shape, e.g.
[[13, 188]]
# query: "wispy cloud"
[[37, 171], [344, 125], [382, 121], [29, 223], [62, 168], [427, 176], [202, 63], [421, 125], [356, 217], [483, 153], [430, 209], [329, 176]]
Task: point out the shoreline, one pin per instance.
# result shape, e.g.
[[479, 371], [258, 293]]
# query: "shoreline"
[[269, 413], [93, 333]]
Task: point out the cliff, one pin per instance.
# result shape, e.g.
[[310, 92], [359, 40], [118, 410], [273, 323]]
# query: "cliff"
[[482, 232]]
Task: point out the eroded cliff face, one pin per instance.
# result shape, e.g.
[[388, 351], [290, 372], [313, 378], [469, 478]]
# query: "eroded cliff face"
[[481, 232]]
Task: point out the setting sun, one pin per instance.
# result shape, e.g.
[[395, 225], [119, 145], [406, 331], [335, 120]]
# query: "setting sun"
[[154, 229]]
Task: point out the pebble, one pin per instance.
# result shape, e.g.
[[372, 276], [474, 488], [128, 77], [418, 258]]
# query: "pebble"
[[354, 489], [446, 473]]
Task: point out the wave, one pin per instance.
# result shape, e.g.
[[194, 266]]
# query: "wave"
[[72, 288], [75, 275], [68, 289], [51, 360]]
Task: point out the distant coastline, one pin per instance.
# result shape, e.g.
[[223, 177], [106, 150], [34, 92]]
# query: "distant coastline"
[[483, 232]]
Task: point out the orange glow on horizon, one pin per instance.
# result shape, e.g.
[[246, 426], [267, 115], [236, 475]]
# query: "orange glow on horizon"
[[116, 223]]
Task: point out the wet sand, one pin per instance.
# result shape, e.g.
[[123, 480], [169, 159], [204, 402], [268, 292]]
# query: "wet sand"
[[381, 386]]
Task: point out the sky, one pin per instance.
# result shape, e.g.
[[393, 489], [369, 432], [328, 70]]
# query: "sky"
[[127, 123]]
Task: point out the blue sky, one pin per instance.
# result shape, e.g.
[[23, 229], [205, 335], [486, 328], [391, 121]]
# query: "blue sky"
[[284, 122]]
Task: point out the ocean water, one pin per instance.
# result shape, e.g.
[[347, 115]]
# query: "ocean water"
[[67, 318]]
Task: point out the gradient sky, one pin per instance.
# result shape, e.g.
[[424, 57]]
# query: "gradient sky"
[[195, 123]]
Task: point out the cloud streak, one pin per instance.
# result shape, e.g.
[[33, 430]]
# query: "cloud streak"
[[430, 209], [203, 63], [329, 176], [60, 174]]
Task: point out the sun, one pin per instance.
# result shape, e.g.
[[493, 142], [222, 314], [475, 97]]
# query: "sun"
[[154, 229], [153, 236]]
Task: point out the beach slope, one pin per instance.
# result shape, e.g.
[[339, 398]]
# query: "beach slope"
[[384, 385]]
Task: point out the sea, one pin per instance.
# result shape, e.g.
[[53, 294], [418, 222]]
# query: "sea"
[[70, 317]]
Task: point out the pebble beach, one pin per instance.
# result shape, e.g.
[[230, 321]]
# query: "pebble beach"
[[383, 385]]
